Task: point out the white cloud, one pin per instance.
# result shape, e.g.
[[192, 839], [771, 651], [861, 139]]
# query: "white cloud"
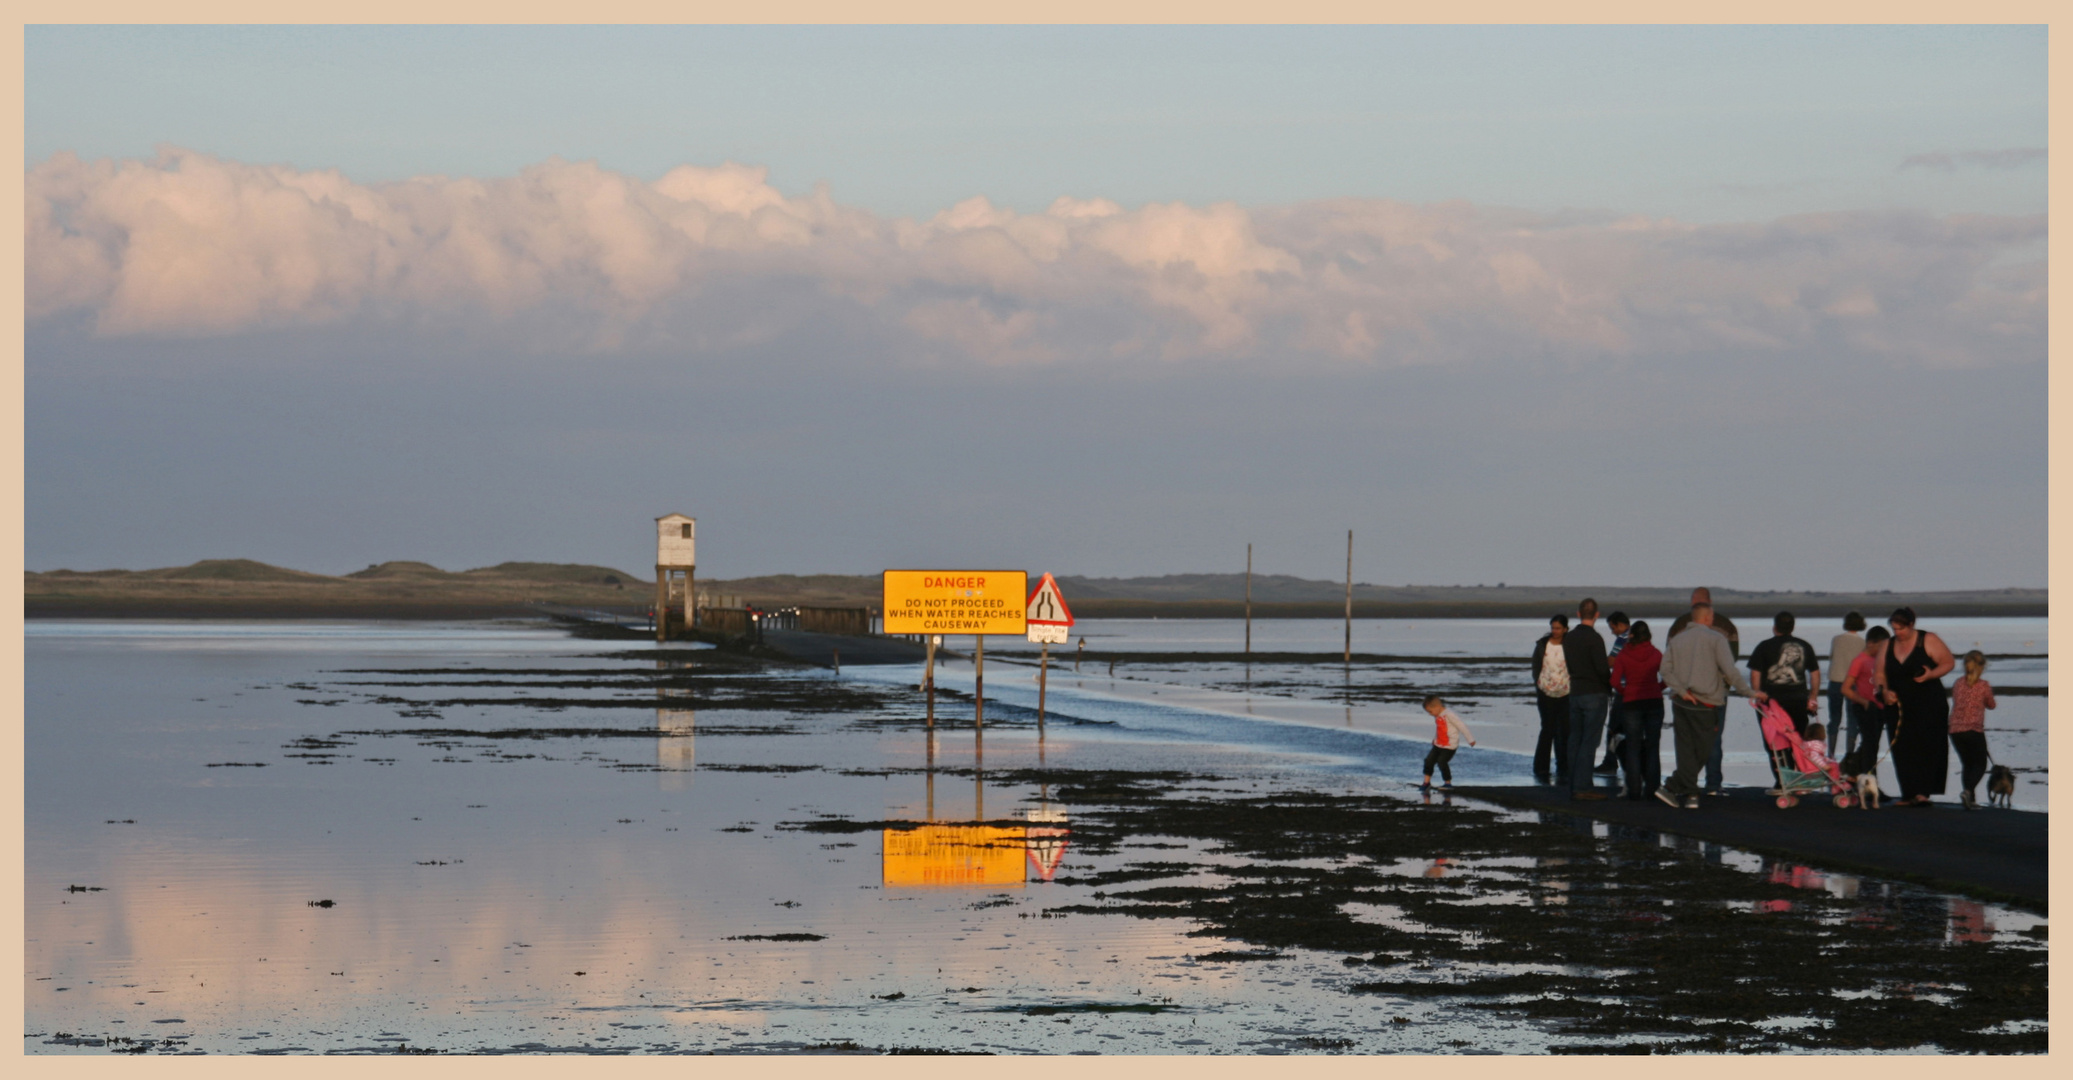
[[2012, 158], [189, 244]]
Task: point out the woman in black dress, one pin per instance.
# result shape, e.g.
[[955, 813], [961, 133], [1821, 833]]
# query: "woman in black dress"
[[1912, 679]]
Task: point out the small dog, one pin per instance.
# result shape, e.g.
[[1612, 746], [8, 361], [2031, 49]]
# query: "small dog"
[[1868, 790], [2001, 786]]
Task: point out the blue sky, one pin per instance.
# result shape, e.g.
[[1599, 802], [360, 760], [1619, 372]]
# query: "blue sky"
[[1758, 307], [1702, 123]]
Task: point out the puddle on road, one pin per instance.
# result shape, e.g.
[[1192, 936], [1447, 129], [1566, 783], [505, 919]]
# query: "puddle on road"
[[550, 846]]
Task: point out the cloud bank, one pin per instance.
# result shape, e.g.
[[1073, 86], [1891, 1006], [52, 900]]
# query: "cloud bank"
[[567, 254], [2014, 158]]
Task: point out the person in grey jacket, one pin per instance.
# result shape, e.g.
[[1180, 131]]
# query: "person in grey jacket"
[[1698, 668]]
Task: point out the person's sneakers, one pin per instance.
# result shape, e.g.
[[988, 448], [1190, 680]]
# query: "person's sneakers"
[[1969, 801], [1691, 802], [1448, 786], [1664, 794]]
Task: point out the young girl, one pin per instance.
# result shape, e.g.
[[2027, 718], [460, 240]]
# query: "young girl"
[[1817, 747], [1971, 697], [1866, 714], [1444, 742]]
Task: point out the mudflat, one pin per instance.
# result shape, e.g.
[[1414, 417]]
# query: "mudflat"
[[413, 841]]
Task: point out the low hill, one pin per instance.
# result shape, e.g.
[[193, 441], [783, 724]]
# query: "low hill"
[[556, 573], [244, 588]]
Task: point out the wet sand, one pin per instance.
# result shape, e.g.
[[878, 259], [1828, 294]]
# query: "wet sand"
[[1991, 853], [586, 847]]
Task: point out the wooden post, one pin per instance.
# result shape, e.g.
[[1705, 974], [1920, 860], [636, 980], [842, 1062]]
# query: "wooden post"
[[1349, 598], [661, 605], [928, 683], [1248, 603], [979, 682], [931, 771], [1043, 681], [838, 661]]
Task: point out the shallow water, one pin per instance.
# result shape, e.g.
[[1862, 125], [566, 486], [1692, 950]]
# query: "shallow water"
[[195, 797], [1495, 699]]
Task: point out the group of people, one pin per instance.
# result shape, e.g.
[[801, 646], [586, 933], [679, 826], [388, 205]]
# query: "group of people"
[[1886, 685]]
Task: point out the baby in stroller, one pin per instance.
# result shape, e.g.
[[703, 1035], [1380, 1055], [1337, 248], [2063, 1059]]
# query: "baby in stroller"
[[1804, 767]]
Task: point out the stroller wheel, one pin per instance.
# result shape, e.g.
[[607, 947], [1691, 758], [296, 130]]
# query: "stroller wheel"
[[1787, 802], [1842, 802]]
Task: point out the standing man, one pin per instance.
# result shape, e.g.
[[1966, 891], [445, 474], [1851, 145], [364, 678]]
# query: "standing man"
[[1786, 669], [1619, 624], [1698, 667], [1726, 626], [1842, 652], [1590, 689]]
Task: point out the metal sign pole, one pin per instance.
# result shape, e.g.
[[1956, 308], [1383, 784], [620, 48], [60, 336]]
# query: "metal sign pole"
[[979, 682], [928, 683], [1043, 682]]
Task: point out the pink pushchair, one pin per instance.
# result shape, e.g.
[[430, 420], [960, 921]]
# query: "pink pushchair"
[[1801, 771]]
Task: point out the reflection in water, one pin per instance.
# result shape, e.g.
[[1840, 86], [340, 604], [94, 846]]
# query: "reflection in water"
[[973, 853], [675, 762], [1970, 922], [958, 854]]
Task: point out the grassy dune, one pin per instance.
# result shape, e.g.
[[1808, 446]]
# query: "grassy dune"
[[243, 588]]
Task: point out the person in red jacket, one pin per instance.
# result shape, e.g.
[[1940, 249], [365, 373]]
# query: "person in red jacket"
[[1637, 681]]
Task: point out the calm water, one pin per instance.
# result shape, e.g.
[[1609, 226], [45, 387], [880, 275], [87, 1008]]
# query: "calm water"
[[190, 798]]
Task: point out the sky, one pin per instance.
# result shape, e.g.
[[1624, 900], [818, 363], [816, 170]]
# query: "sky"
[[1760, 307]]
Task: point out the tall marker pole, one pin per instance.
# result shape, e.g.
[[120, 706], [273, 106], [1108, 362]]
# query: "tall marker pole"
[[1248, 603], [979, 682], [1349, 598]]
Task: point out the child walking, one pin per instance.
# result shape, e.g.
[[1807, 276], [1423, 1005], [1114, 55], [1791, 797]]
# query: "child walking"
[[1445, 741], [1971, 697]]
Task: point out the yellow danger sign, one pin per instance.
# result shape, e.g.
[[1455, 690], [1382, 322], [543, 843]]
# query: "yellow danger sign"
[[956, 601]]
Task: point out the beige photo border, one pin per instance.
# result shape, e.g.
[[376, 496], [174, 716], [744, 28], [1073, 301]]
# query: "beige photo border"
[[12, 997]]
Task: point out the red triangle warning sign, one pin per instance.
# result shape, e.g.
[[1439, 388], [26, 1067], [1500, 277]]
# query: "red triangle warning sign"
[[1047, 604]]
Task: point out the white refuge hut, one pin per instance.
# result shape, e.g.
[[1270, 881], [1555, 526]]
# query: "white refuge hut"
[[676, 571]]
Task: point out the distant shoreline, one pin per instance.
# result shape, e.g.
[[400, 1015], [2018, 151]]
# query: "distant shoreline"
[[245, 589], [433, 610]]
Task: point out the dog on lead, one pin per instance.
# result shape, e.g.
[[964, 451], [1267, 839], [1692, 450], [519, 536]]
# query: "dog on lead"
[[1868, 790], [2001, 786]]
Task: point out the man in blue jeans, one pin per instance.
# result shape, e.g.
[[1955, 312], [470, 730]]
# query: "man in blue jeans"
[[1590, 691]]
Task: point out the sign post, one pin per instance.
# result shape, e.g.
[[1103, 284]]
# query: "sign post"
[[928, 677], [975, 602], [1049, 623]]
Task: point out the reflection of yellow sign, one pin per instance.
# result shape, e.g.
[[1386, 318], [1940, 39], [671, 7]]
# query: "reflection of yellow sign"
[[956, 601], [955, 855]]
